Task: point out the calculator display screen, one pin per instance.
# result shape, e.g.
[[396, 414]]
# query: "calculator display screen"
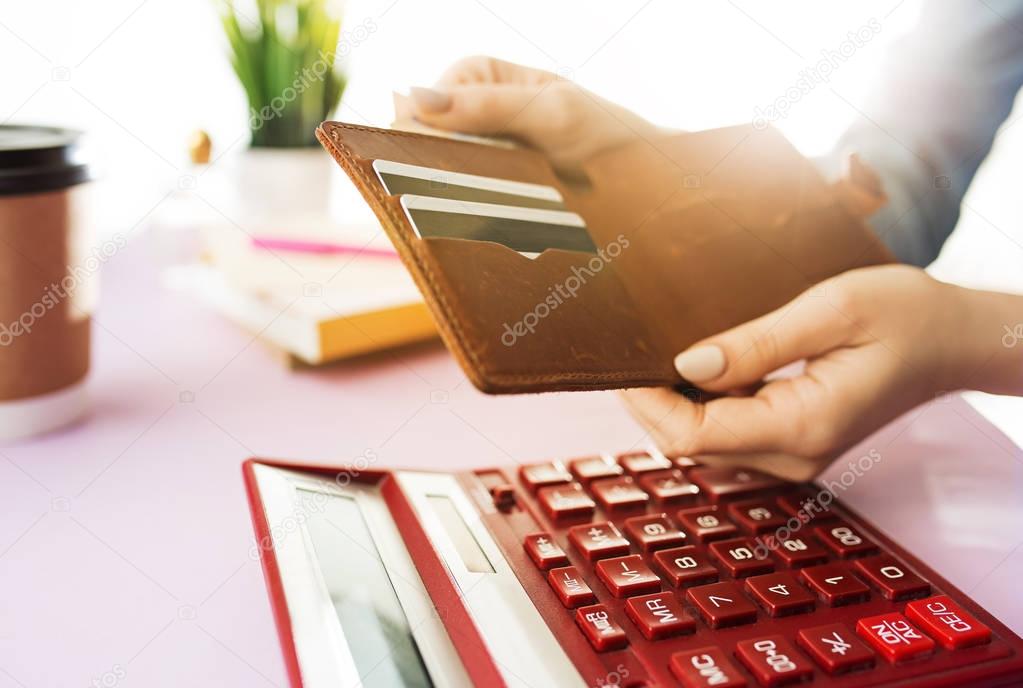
[[375, 626]]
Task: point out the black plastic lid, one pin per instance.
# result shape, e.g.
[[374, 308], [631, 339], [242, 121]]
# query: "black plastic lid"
[[34, 159]]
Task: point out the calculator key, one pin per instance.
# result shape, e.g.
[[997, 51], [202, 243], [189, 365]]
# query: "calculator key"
[[685, 566], [598, 541], [798, 552], [945, 620], [684, 463], [741, 557], [650, 533], [774, 661], [844, 540], [659, 616], [835, 648], [544, 551], [706, 667], [543, 474], [619, 493], [636, 463], [668, 486], [706, 524], [564, 501], [600, 629], [570, 587], [780, 594], [835, 584], [757, 517], [722, 604], [594, 467], [894, 580], [627, 576], [894, 637], [732, 483], [803, 506]]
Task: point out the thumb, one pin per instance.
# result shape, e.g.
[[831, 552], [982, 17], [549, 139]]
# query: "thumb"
[[742, 356], [485, 109]]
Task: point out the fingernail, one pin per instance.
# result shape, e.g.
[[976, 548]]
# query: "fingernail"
[[430, 100], [701, 363]]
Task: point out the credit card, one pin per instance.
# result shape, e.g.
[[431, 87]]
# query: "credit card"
[[527, 230], [400, 178]]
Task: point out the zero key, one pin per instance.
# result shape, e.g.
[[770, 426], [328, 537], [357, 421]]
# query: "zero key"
[[774, 661]]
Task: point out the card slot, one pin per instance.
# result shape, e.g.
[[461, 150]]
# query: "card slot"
[[562, 319], [527, 230]]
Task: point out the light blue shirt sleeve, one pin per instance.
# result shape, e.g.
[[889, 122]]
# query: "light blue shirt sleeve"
[[944, 91]]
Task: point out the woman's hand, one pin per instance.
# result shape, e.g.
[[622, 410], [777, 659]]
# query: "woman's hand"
[[876, 341], [482, 95]]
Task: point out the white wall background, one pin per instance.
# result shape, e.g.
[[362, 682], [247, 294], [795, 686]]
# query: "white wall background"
[[139, 76]]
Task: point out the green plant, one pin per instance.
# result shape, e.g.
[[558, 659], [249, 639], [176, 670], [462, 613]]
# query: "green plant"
[[284, 53]]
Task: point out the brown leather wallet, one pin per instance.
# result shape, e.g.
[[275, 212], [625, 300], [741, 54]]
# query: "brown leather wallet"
[[696, 232]]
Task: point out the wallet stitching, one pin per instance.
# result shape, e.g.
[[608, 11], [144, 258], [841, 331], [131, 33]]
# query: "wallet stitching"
[[451, 320]]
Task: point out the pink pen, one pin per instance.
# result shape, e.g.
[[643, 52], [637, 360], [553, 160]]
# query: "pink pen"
[[302, 246]]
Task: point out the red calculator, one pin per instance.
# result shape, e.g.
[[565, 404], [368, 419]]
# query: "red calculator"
[[638, 570]]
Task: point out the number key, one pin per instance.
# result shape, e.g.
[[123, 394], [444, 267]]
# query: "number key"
[[774, 661], [706, 523], [758, 516], [835, 584], [780, 594], [722, 604], [653, 532], [894, 580], [844, 540], [741, 557], [684, 566], [797, 552]]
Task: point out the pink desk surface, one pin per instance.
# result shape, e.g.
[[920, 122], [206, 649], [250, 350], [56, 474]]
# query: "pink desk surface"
[[125, 541]]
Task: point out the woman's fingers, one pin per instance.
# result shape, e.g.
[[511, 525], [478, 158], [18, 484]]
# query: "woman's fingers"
[[486, 109], [811, 325], [725, 425], [480, 69]]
